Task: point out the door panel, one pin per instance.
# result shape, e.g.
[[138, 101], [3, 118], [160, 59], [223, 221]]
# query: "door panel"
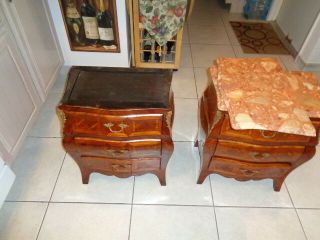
[[19, 100], [17, 105], [33, 23]]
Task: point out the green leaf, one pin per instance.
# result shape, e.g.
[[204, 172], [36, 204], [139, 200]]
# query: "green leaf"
[[149, 9]]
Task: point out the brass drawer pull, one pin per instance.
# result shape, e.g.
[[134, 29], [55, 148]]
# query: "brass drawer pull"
[[122, 126], [118, 167], [263, 134], [259, 156], [249, 173]]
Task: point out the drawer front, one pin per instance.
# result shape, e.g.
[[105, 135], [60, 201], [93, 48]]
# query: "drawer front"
[[261, 135], [113, 126], [105, 165], [256, 153], [118, 149], [245, 171], [145, 165], [114, 166]]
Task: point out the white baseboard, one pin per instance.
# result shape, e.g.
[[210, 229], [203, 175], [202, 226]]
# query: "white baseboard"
[[6, 181], [312, 67]]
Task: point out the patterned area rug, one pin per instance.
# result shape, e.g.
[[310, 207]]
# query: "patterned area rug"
[[258, 37]]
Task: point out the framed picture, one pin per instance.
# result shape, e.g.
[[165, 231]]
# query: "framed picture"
[[91, 25]]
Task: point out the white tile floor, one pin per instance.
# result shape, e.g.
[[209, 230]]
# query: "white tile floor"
[[48, 201]]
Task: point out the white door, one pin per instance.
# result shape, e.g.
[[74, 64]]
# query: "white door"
[[18, 97], [36, 38], [6, 180], [296, 18]]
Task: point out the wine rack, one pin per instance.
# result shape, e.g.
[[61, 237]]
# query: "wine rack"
[[147, 53], [151, 52]]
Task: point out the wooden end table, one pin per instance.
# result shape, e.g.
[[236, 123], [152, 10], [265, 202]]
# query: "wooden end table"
[[117, 121], [248, 154]]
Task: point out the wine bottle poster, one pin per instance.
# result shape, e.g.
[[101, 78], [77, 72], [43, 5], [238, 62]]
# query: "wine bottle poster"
[[91, 25]]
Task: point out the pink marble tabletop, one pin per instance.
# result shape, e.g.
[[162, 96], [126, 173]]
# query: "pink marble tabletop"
[[259, 94]]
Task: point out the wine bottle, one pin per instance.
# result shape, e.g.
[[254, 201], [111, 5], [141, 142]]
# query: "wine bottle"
[[74, 23], [105, 25], [170, 44], [147, 46], [158, 52], [147, 53], [88, 13]]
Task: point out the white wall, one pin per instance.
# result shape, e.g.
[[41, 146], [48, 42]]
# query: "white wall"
[[310, 51], [93, 58], [274, 10], [296, 18], [314, 57]]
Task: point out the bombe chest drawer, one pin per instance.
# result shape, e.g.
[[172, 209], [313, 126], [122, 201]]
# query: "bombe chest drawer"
[[118, 121], [247, 154]]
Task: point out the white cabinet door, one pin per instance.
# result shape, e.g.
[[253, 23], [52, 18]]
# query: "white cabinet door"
[[18, 97], [35, 36], [296, 18]]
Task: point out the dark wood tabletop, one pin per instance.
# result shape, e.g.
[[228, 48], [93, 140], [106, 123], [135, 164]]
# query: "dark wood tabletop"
[[118, 88]]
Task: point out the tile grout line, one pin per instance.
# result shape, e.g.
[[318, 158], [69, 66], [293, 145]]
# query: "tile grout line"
[[185, 97], [55, 184], [283, 64], [225, 28], [194, 80], [134, 183], [190, 49], [230, 42], [170, 205], [304, 208], [45, 213], [183, 141], [233, 50], [304, 232], [194, 75], [214, 209], [89, 203], [211, 44], [225, 24], [163, 204], [188, 42], [255, 207], [30, 136], [25, 201]]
